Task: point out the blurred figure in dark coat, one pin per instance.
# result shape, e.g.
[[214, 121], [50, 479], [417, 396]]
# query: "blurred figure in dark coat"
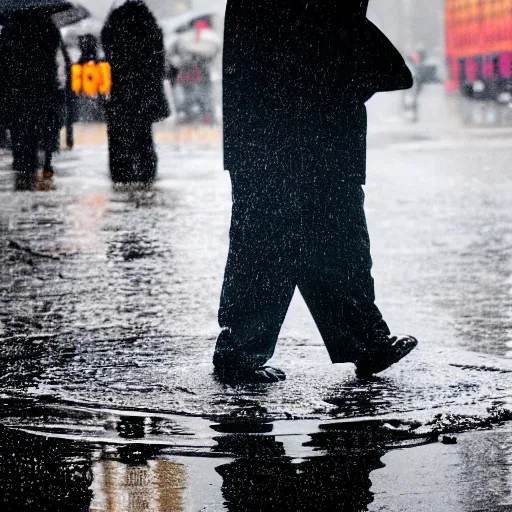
[[3, 129], [69, 99], [134, 47], [88, 45], [88, 107], [30, 44], [296, 76], [191, 57]]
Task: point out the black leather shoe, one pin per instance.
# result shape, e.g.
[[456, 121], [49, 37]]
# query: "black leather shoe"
[[383, 353], [48, 173], [263, 374]]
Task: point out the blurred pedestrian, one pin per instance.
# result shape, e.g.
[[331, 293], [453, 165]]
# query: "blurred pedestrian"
[[410, 99], [88, 46], [3, 129], [31, 87], [88, 103], [296, 76], [68, 106], [192, 55], [134, 48]]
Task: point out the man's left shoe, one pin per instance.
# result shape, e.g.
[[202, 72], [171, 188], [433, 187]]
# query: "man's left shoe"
[[261, 375], [384, 352], [48, 172]]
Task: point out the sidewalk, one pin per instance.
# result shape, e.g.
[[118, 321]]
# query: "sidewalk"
[[442, 117], [200, 136]]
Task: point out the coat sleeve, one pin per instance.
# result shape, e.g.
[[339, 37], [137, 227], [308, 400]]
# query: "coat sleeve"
[[375, 64], [388, 64]]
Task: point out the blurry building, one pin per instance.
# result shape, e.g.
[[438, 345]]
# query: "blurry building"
[[411, 24]]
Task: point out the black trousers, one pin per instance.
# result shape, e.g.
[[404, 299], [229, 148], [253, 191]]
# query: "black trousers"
[[32, 130], [132, 155], [297, 228], [25, 137]]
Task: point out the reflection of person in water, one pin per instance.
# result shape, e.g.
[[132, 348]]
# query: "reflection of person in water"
[[35, 474], [263, 478], [135, 428]]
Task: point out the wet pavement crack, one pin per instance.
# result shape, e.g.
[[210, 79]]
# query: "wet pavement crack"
[[15, 244], [480, 368]]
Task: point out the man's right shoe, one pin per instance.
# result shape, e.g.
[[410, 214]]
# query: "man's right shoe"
[[384, 352]]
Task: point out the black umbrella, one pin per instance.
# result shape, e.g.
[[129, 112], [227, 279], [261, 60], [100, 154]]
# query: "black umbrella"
[[71, 16], [185, 21], [8, 7]]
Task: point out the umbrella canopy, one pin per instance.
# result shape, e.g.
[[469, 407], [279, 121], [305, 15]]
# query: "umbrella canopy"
[[71, 16], [8, 7], [204, 44], [72, 33], [175, 26]]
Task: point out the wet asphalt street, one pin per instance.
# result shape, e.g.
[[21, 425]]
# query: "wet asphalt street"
[[108, 302]]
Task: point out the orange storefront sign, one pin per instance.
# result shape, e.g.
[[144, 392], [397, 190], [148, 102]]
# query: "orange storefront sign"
[[91, 79]]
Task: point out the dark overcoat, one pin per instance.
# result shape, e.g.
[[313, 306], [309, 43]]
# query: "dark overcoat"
[[134, 47], [29, 83], [296, 76], [2, 85]]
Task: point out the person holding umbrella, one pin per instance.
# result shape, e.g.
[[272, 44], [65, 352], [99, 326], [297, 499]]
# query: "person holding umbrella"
[[134, 48], [297, 74], [30, 43], [62, 19], [191, 56]]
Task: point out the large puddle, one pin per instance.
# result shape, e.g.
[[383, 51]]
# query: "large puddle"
[[67, 457]]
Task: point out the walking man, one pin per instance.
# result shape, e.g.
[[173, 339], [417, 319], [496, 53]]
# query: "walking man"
[[296, 76]]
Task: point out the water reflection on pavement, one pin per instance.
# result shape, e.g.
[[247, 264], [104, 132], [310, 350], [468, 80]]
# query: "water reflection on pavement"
[[135, 464], [252, 465]]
